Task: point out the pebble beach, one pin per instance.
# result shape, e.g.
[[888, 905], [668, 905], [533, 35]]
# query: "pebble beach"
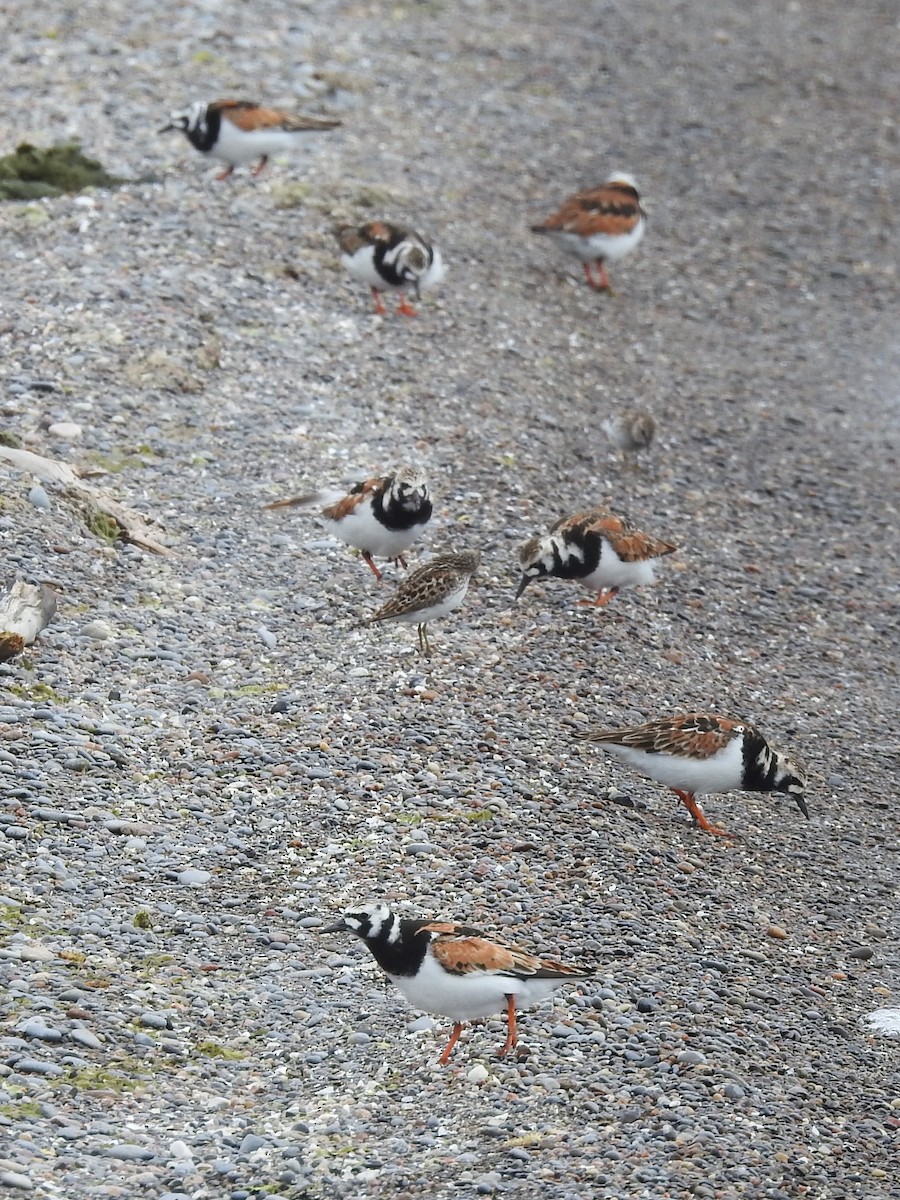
[[207, 754]]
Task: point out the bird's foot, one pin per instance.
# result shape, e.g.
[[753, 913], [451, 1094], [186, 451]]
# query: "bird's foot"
[[380, 310], [602, 598], [700, 819]]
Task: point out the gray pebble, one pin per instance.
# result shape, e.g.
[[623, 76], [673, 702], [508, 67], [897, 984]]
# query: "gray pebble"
[[84, 1037], [194, 877], [35, 1028], [690, 1058], [251, 1142], [34, 1066], [16, 1179], [155, 1020], [129, 1153], [421, 1024], [97, 631], [38, 497]]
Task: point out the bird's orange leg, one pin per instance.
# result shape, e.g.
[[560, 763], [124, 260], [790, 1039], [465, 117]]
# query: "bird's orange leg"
[[690, 803], [379, 303], [603, 284], [448, 1049], [589, 276], [406, 308], [224, 174], [512, 1032], [371, 564], [603, 598], [261, 165]]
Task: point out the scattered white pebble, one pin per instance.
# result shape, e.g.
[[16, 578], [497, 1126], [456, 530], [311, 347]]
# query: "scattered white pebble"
[[67, 431], [885, 1020], [97, 631], [420, 1024], [268, 637], [194, 877], [477, 1074]]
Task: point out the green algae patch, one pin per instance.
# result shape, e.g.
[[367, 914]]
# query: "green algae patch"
[[217, 1050], [102, 526], [36, 173]]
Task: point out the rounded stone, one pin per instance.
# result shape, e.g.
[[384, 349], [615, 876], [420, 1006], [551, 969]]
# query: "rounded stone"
[[194, 877]]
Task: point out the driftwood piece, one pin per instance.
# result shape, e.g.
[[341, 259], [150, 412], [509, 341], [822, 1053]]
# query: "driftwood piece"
[[25, 610], [131, 526]]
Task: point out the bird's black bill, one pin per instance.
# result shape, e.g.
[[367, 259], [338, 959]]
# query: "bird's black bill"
[[165, 128], [801, 804], [335, 927], [523, 584]]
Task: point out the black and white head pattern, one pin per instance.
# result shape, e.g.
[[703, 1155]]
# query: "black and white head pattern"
[[199, 123]]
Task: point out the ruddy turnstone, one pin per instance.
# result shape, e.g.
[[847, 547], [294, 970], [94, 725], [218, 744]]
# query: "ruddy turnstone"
[[455, 971], [700, 752], [431, 591], [390, 259], [600, 551], [598, 226], [630, 431], [381, 516], [237, 131]]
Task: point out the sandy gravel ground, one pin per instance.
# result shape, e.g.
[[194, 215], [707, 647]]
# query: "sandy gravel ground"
[[206, 755]]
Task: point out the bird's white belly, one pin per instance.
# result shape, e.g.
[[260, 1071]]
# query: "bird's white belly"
[[240, 145], [600, 246], [613, 572], [721, 773], [361, 265], [361, 530], [439, 609], [468, 997]]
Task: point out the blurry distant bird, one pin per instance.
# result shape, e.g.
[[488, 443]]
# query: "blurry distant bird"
[[598, 226], [390, 259], [237, 131], [630, 431]]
